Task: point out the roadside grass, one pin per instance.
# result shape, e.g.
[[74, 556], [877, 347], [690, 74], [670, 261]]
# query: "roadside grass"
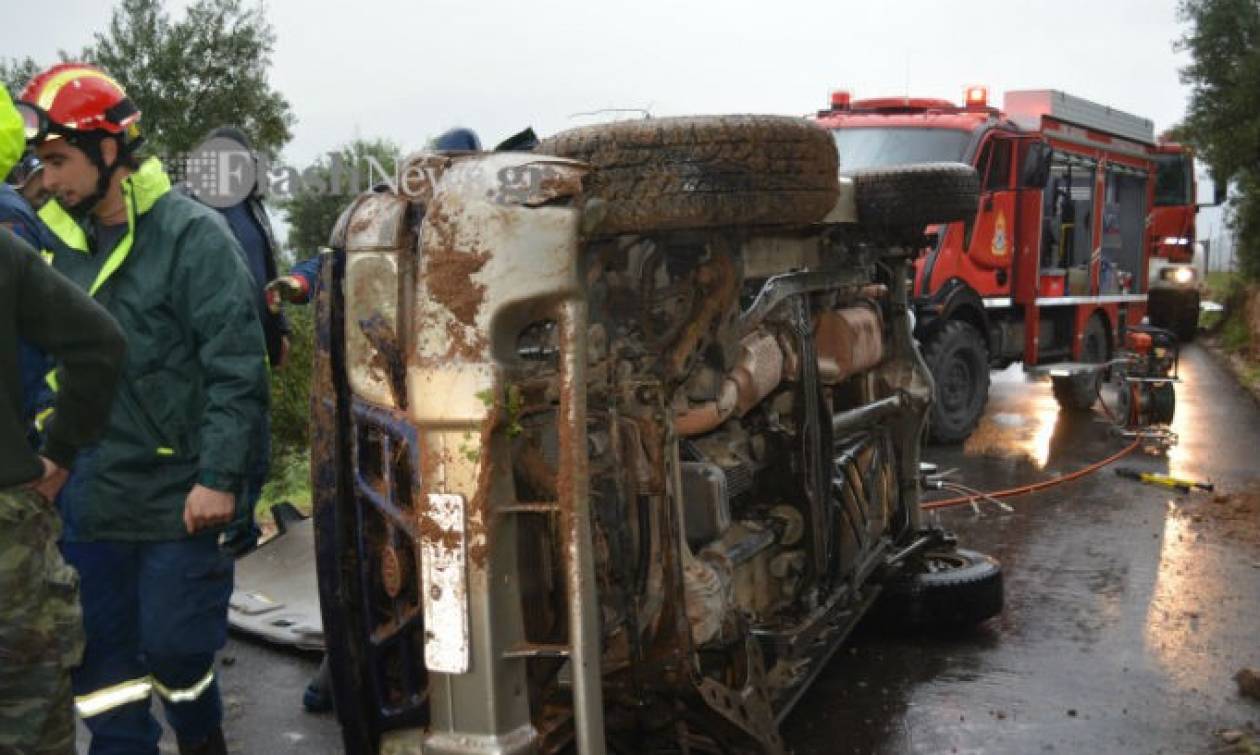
[[290, 481], [290, 478], [1230, 330], [1235, 336], [1219, 285]]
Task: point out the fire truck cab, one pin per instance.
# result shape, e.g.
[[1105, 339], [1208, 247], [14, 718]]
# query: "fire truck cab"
[[1055, 262], [1174, 275]]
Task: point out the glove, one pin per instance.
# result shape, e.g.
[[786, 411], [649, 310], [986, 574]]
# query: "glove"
[[290, 288]]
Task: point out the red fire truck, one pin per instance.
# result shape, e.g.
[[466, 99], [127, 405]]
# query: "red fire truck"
[[1056, 260], [1174, 278]]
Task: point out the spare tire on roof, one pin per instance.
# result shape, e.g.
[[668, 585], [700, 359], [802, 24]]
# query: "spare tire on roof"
[[915, 196], [705, 171]]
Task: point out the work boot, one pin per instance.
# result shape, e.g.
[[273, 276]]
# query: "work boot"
[[211, 745], [318, 696]]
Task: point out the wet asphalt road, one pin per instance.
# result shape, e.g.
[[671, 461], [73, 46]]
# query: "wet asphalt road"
[[1122, 627]]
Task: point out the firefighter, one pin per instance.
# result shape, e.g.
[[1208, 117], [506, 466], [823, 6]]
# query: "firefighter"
[[144, 512], [41, 634]]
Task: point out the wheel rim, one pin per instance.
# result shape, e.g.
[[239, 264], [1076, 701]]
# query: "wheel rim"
[[934, 563]]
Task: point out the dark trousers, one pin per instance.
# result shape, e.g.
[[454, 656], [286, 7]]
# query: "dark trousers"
[[154, 615]]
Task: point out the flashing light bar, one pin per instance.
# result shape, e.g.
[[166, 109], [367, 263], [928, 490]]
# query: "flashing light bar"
[[840, 99]]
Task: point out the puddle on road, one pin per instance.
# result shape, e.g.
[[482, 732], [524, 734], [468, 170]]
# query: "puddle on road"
[[1026, 434]]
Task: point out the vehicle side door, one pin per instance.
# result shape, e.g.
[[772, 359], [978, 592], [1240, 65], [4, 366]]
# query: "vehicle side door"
[[990, 242]]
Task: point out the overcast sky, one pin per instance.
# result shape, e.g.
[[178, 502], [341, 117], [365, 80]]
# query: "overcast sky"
[[409, 70]]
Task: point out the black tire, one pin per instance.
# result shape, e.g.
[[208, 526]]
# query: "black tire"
[[916, 195], [705, 171], [1164, 403], [948, 589], [958, 359], [1077, 393]]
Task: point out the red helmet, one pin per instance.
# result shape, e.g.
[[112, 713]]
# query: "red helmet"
[[74, 98]]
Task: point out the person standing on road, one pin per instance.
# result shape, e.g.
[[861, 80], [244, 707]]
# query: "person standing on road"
[[252, 229], [41, 632], [143, 516], [17, 215]]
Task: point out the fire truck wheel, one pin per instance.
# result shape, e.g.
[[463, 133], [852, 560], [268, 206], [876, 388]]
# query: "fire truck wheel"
[[705, 171], [948, 589], [1077, 393], [916, 195], [959, 361]]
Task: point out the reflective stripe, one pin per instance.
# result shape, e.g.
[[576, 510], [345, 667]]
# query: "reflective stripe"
[[51, 380], [54, 85], [47, 255], [187, 694], [164, 451], [96, 703], [121, 250], [61, 224], [41, 419], [141, 190]]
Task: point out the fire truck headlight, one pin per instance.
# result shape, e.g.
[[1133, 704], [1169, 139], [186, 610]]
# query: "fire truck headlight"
[[1183, 275]]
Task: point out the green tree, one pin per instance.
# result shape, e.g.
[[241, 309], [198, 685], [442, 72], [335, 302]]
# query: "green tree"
[[1223, 116], [188, 75], [318, 196], [329, 185], [15, 73]]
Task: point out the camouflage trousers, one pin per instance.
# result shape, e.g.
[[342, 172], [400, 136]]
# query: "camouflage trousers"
[[41, 629]]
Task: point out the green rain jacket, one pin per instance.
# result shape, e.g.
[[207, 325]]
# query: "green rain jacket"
[[194, 383]]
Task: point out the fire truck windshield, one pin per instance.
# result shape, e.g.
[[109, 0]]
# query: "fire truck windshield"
[[862, 148], [1172, 180]]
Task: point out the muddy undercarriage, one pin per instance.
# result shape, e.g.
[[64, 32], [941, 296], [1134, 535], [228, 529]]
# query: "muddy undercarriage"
[[601, 465]]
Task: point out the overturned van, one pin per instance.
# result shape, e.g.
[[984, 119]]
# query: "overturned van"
[[616, 440]]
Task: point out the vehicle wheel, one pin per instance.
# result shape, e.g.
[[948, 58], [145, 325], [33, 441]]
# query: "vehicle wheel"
[[1163, 403], [705, 171], [916, 195], [948, 589], [1077, 393], [959, 362]]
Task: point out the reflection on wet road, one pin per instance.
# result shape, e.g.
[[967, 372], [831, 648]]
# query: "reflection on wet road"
[[1123, 624]]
